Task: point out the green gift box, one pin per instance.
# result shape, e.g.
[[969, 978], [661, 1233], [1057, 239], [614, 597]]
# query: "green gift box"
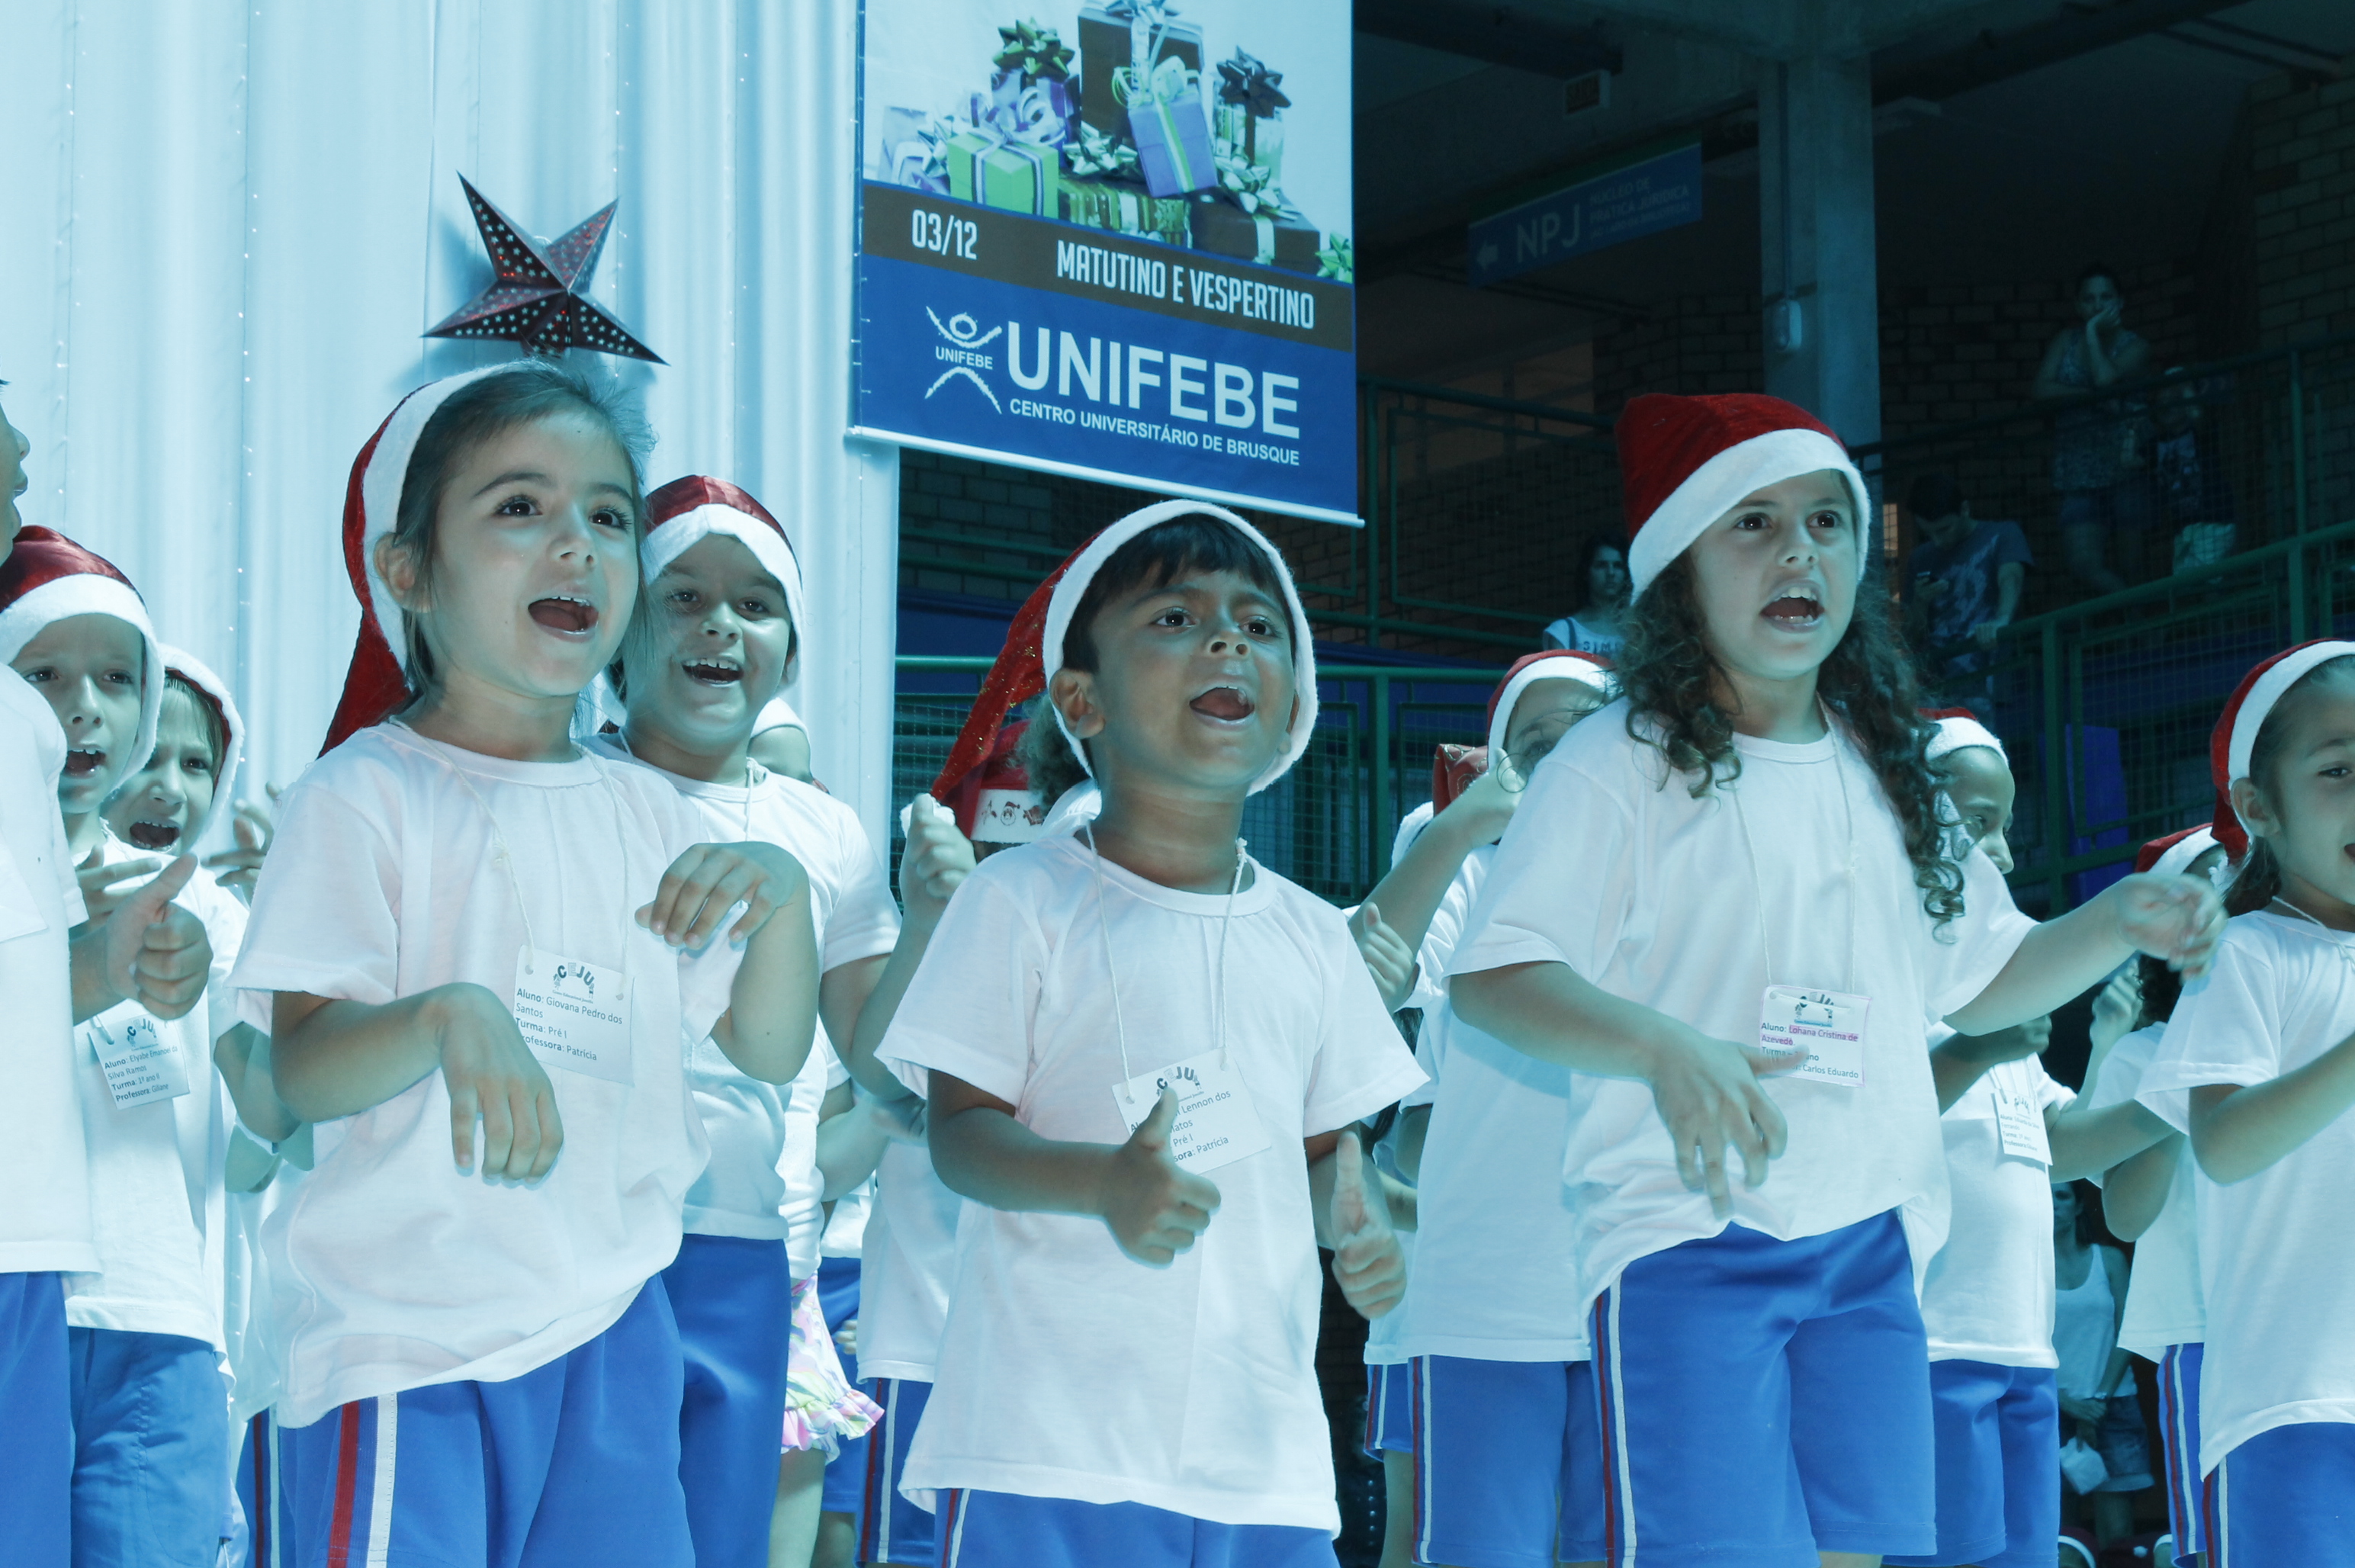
[[1120, 207], [1272, 235], [1013, 175], [1261, 140], [1107, 45]]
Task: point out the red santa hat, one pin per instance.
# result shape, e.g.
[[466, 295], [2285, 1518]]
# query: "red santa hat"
[[1034, 645], [47, 578], [2172, 855], [1552, 664], [685, 512], [994, 804], [214, 692], [2234, 738], [1687, 462], [1955, 728], [376, 685]]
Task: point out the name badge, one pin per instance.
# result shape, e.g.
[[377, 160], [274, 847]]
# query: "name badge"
[[2018, 1122], [574, 1014], [1216, 1124], [1827, 1026], [140, 1067]]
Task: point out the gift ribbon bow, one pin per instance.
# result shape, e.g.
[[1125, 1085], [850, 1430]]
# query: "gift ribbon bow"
[[1035, 51], [1032, 118], [1337, 258], [1245, 184], [1097, 153], [1245, 80], [926, 157]]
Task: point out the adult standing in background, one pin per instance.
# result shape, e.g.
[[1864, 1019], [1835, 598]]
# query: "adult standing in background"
[[1595, 626], [2099, 450], [1964, 586]]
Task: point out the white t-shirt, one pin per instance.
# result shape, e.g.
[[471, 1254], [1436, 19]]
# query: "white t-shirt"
[[1989, 1297], [1067, 1370], [1492, 1279], [2164, 1305], [2273, 1261], [763, 1179], [845, 1230], [384, 882], [156, 1168], [1650, 894], [45, 1225], [908, 1260], [1569, 632]]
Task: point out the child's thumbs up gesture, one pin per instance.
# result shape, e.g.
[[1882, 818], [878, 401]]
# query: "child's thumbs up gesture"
[[1367, 1262], [156, 952], [1156, 1208]]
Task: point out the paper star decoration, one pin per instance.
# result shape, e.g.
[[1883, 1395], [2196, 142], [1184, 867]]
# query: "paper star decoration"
[[536, 299]]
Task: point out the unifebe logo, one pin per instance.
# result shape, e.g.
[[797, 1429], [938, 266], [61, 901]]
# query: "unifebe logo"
[[963, 350]]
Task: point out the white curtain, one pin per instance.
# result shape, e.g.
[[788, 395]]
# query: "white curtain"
[[228, 224]]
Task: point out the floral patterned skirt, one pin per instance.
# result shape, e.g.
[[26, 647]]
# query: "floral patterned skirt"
[[822, 1409]]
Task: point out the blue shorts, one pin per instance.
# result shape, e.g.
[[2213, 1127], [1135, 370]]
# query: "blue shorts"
[[734, 1299], [1508, 1463], [890, 1527], [1998, 1429], [845, 1472], [573, 1462], [151, 1477], [1004, 1530], [1390, 1410], [37, 1434], [2179, 1427], [2286, 1497], [1764, 1402]]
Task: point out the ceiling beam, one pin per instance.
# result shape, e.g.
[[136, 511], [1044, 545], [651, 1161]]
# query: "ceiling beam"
[[1995, 55], [1514, 35]]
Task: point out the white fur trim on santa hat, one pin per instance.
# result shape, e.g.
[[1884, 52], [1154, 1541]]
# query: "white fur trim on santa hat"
[[1728, 479], [1080, 804], [2176, 859], [2269, 690], [1586, 672], [778, 714], [674, 536], [1065, 602], [189, 667], [88, 593], [380, 490], [1954, 734]]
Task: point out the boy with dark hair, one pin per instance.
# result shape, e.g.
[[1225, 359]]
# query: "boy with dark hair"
[[1965, 586], [1087, 1410]]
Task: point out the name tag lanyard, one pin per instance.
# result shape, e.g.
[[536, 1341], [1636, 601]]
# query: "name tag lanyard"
[[1218, 985], [505, 858]]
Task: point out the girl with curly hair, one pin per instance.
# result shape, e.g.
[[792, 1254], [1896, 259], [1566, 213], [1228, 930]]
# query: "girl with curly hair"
[[1729, 904]]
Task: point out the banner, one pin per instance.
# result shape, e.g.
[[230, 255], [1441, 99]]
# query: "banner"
[[1112, 240], [1593, 212]]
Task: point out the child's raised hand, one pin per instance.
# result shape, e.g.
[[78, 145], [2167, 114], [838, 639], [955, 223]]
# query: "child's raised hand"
[[1387, 957], [254, 825], [1707, 1091], [2116, 1009], [493, 1078], [1154, 1206], [709, 880], [1487, 803], [102, 890], [156, 953], [1369, 1264], [937, 859], [2178, 919]]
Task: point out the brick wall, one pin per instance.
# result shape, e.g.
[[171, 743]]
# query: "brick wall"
[[2301, 150]]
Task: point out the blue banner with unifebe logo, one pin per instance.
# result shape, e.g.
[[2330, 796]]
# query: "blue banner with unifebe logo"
[[1107, 240]]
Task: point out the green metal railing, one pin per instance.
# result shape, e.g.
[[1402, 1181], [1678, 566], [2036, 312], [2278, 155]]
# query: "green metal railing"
[[1328, 824]]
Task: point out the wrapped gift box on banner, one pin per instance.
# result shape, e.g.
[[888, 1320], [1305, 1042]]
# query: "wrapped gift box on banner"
[[1108, 47], [1271, 236], [1121, 207], [1016, 176], [1251, 101], [1032, 97], [1172, 133]]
